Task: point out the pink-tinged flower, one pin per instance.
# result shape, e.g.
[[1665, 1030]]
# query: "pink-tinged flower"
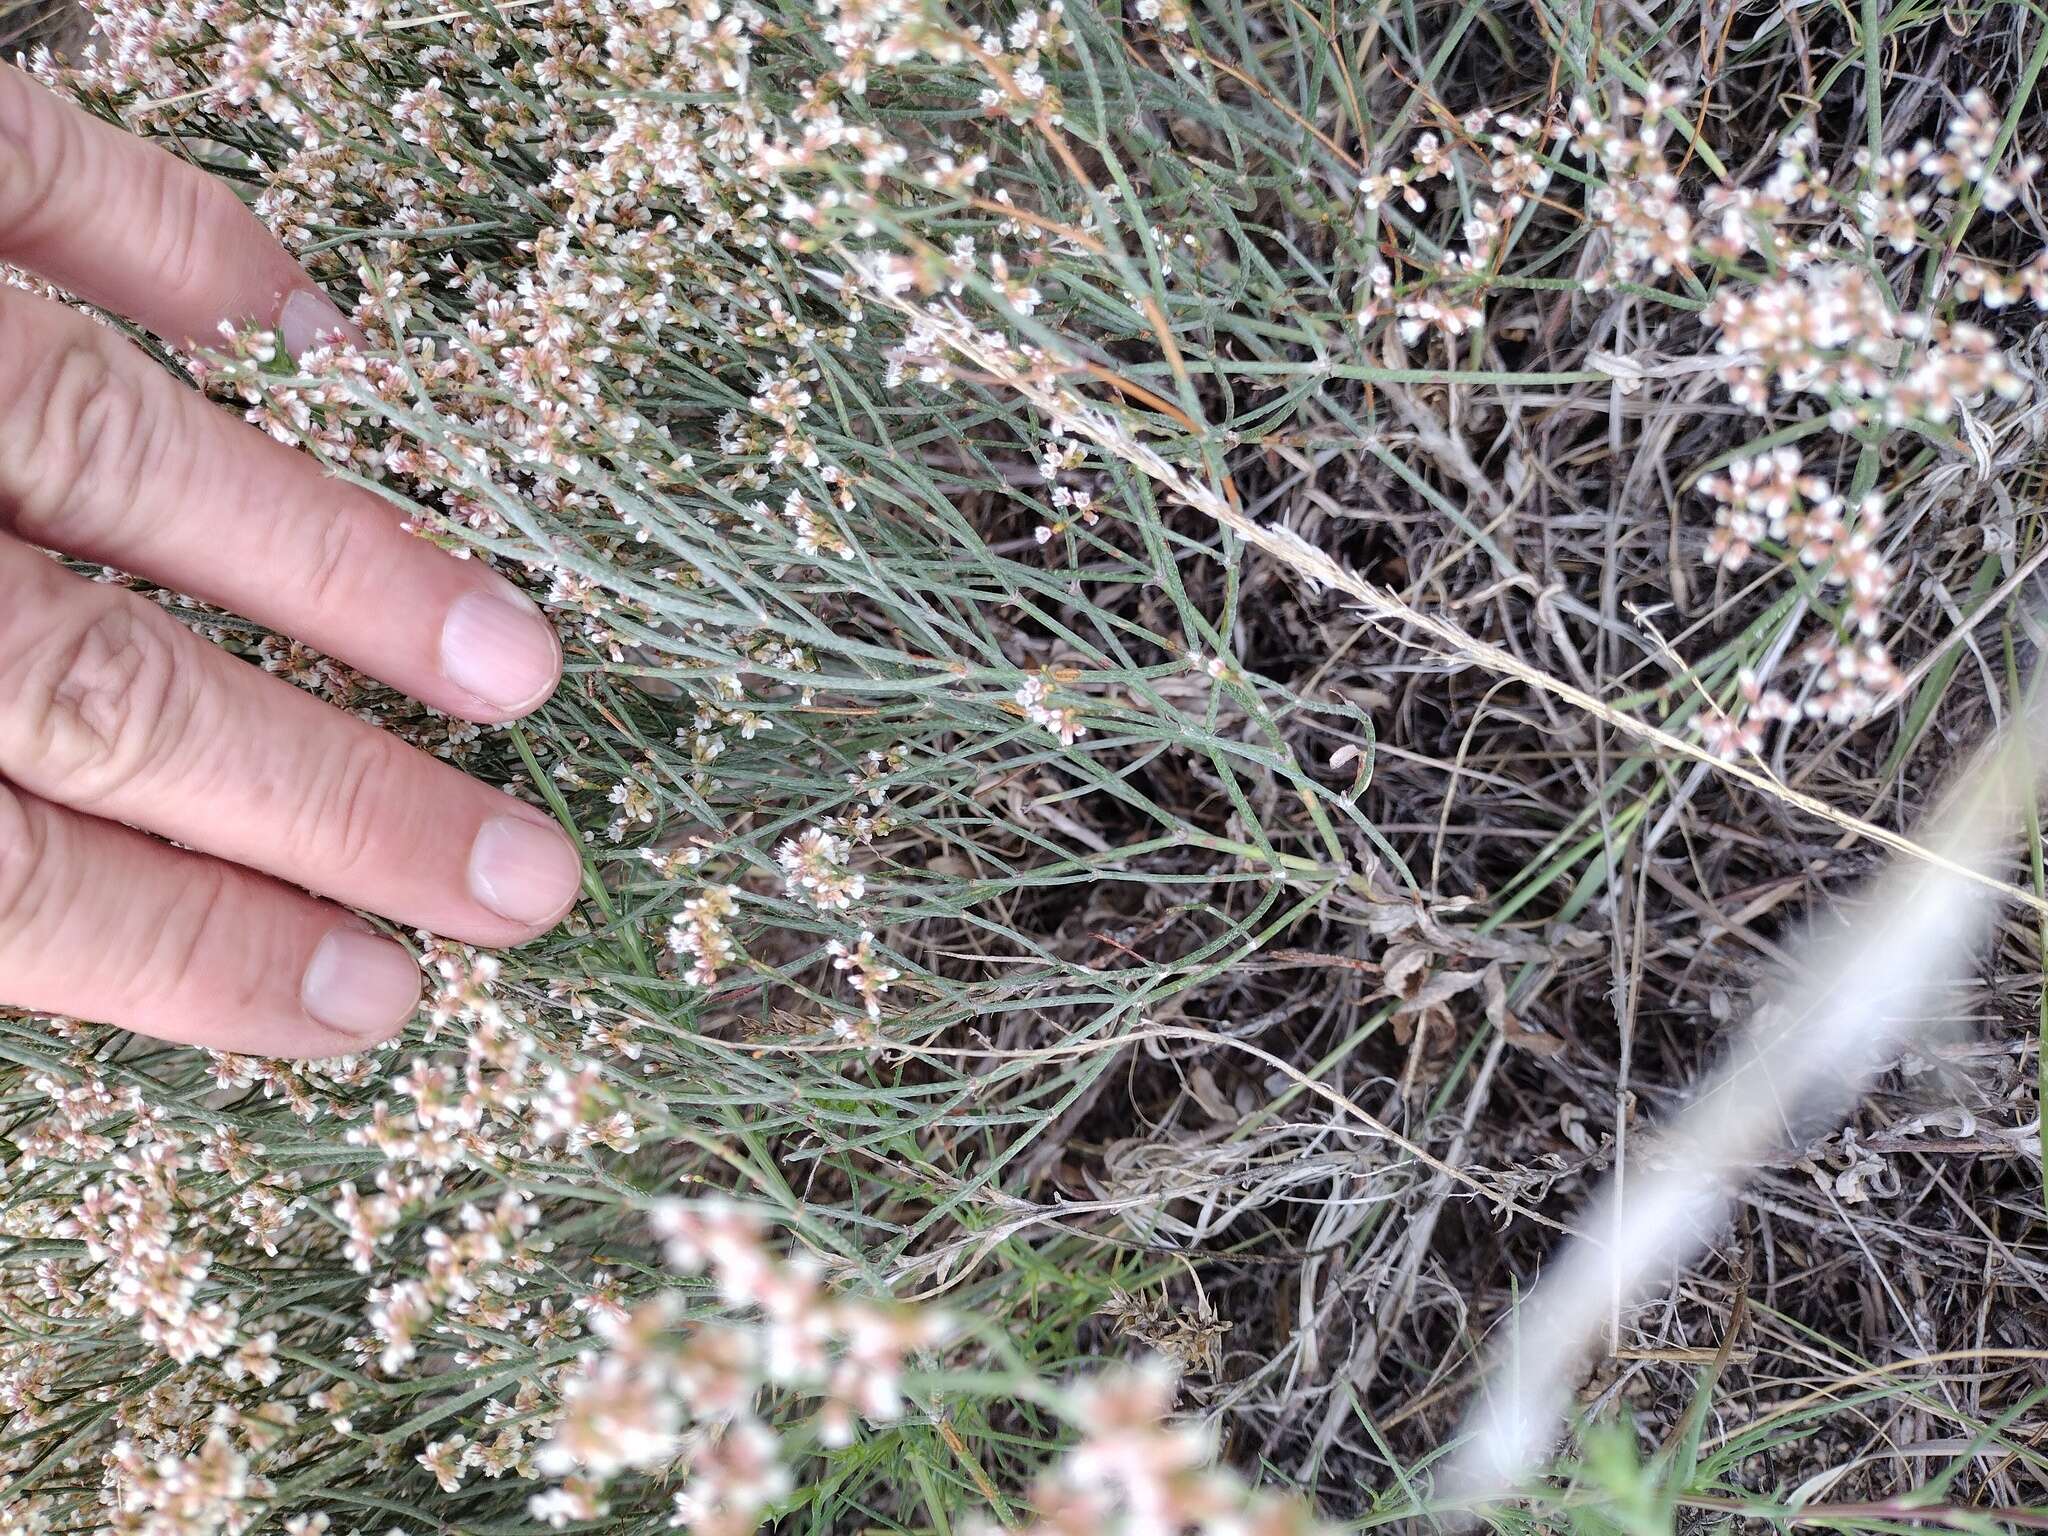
[[817, 869]]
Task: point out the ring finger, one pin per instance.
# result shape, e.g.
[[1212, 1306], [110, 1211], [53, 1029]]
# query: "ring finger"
[[99, 922]]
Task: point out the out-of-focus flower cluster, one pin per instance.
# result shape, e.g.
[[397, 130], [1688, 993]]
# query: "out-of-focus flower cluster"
[[683, 1399], [1135, 1472]]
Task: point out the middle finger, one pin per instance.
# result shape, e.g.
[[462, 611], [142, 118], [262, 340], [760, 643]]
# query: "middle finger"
[[110, 706]]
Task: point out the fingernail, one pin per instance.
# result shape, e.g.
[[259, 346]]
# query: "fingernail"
[[496, 647], [359, 984], [524, 870], [309, 320]]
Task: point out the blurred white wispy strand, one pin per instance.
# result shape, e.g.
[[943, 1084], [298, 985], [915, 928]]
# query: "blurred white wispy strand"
[[1862, 990]]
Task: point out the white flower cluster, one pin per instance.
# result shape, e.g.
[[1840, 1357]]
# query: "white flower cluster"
[[1073, 504], [209, 1490], [817, 868], [155, 1262], [1771, 496], [1496, 149], [701, 933], [1818, 321], [1034, 698], [862, 964]]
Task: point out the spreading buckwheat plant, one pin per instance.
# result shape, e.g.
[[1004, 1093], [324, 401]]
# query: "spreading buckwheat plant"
[[1202, 643]]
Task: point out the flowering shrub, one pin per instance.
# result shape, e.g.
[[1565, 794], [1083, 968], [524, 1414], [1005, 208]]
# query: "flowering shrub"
[[858, 386]]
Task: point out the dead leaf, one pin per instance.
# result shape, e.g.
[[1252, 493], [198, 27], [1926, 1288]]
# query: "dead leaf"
[[1512, 1029]]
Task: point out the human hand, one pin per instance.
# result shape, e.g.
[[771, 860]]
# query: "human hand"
[[114, 717]]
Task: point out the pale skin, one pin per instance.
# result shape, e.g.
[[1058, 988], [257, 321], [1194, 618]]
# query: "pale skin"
[[182, 836]]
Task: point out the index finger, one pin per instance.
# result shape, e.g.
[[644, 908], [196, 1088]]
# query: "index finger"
[[103, 456], [126, 226]]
